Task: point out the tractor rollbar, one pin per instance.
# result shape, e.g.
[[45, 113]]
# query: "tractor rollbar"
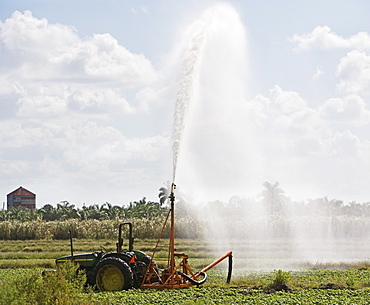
[[130, 238]]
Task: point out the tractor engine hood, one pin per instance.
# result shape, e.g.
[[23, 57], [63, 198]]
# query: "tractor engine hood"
[[83, 259]]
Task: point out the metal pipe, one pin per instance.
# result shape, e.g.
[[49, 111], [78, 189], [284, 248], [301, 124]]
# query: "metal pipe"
[[172, 232], [228, 254]]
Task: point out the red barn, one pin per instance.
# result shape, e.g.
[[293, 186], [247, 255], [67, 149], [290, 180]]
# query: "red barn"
[[21, 198]]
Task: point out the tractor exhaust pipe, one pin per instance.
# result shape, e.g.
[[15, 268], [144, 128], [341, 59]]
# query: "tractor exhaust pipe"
[[71, 243]]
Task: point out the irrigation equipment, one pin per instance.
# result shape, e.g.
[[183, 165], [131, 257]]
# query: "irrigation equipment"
[[130, 268]]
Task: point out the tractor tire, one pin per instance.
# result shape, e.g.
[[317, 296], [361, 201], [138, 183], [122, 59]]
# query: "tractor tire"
[[112, 274]]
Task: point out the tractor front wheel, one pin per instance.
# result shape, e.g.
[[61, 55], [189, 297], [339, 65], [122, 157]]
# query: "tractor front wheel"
[[112, 274]]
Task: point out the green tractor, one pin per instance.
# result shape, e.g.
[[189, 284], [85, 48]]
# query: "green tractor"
[[129, 268], [110, 271]]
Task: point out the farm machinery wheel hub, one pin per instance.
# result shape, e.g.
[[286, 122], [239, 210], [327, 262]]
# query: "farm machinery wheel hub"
[[110, 278]]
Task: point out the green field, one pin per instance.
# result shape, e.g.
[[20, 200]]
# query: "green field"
[[22, 262]]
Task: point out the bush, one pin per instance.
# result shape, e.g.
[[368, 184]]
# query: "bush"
[[280, 281], [64, 286]]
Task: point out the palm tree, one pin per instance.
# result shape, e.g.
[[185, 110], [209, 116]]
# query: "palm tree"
[[139, 208], [66, 210], [21, 214], [145, 209], [4, 215], [163, 193], [95, 212], [82, 213], [273, 198], [112, 212], [48, 212]]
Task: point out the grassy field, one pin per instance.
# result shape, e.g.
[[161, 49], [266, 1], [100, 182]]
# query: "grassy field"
[[42, 253], [22, 262], [27, 286]]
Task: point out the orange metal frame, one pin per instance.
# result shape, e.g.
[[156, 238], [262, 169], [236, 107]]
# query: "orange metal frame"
[[170, 278]]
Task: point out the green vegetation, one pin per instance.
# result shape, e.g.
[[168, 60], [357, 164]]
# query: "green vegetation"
[[23, 283], [274, 213], [186, 227], [22, 286], [65, 286], [30, 242], [42, 253], [281, 280], [141, 209]]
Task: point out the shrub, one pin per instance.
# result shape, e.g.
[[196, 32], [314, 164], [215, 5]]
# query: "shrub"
[[280, 281], [64, 286]]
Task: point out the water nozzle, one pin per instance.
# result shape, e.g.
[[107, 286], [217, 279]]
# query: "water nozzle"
[[172, 194]]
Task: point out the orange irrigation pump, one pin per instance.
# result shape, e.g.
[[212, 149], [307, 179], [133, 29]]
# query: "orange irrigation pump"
[[124, 269], [178, 274]]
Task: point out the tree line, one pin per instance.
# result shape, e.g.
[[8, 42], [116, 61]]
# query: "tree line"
[[272, 200], [64, 210]]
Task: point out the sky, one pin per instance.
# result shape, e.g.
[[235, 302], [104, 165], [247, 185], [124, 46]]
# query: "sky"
[[88, 92]]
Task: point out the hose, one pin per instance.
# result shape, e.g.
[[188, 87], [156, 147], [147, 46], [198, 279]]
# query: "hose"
[[194, 282], [230, 270]]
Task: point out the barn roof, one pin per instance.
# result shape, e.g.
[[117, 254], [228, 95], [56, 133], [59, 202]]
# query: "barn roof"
[[21, 191]]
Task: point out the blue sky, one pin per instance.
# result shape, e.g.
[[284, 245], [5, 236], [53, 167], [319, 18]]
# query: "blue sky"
[[88, 91]]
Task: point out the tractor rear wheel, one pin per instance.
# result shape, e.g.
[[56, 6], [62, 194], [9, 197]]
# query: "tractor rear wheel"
[[112, 274]]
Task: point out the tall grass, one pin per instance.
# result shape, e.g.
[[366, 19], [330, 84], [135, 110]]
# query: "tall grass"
[[93, 229], [189, 226]]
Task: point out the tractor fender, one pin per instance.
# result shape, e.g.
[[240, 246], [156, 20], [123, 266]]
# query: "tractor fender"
[[125, 256]]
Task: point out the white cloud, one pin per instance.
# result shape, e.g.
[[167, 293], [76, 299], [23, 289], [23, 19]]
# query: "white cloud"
[[343, 145], [322, 37], [11, 168], [70, 98], [55, 51], [148, 149], [106, 100], [51, 64], [302, 146], [282, 110], [106, 58], [13, 135], [287, 102], [82, 107], [287, 124], [86, 148], [354, 71], [91, 133], [141, 8], [145, 97], [350, 109], [149, 96], [318, 73], [24, 33], [41, 106]]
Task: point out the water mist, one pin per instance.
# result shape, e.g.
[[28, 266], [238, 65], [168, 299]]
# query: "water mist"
[[186, 88], [211, 135], [217, 154]]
